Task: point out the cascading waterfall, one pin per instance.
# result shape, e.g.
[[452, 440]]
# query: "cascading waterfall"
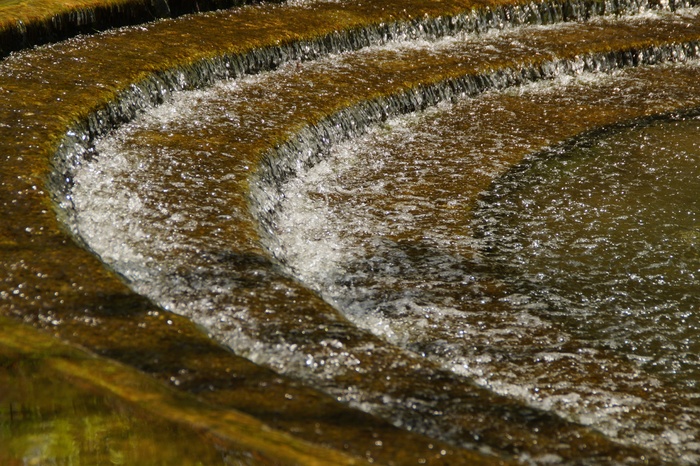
[[400, 262], [164, 215], [155, 89]]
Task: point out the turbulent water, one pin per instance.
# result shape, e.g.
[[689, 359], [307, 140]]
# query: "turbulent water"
[[592, 251], [568, 282]]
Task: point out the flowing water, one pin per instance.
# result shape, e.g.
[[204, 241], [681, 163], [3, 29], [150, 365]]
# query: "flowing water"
[[568, 282], [487, 281]]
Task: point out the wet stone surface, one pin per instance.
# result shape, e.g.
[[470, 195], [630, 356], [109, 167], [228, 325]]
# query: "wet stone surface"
[[179, 213], [398, 250], [279, 325]]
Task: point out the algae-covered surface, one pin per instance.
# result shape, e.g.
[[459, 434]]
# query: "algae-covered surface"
[[51, 282], [27, 23], [231, 120], [393, 200], [61, 405], [30, 10]]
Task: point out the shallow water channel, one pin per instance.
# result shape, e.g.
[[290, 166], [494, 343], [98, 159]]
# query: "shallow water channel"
[[569, 282], [492, 239]]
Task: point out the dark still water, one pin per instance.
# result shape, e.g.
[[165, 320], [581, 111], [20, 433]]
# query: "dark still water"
[[605, 235]]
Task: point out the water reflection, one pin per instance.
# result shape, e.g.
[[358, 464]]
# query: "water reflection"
[[49, 417]]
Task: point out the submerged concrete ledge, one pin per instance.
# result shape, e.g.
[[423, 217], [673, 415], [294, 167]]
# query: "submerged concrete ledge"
[[54, 284], [231, 430], [51, 282], [25, 24]]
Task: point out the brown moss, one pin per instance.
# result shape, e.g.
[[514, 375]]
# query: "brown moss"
[[95, 376], [26, 23], [51, 282]]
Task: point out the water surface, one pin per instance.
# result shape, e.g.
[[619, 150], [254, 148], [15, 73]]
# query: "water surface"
[[415, 308], [568, 281], [604, 235]]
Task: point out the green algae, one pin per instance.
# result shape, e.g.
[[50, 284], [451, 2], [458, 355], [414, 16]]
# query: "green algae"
[[63, 405]]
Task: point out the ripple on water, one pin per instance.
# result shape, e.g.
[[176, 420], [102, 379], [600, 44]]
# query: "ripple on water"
[[382, 230], [621, 214], [550, 288]]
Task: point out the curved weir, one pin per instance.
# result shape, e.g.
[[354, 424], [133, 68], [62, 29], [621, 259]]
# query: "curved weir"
[[384, 229], [27, 24], [383, 333]]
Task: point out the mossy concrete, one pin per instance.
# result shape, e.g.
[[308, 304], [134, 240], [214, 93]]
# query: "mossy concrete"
[[27, 23], [52, 283], [86, 375]]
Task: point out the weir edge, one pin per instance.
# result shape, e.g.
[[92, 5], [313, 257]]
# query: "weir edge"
[[153, 90]]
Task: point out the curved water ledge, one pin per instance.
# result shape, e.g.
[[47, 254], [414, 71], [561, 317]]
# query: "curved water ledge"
[[28, 25], [121, 318], [373, 219], [319, 316], [43, 266], [156, 88], [309, 145]]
